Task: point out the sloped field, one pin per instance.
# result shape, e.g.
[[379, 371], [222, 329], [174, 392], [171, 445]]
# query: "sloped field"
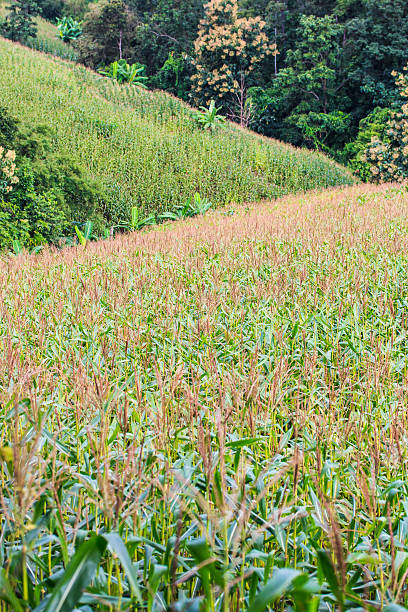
[[211, 413], [145, 147]]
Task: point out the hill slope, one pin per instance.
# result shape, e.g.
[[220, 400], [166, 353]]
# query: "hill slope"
[[47, 39], [240, 379], [144, 146]]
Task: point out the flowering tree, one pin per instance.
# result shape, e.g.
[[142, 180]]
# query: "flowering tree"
[[7, 171], [387, 158], [227, 50]]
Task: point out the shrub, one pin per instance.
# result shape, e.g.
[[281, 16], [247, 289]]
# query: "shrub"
[[51, 9], [174, 76], [19, 24], [36, 219], [13, 225], [372, 128], [44, 194], [263, 106], [8, 126]]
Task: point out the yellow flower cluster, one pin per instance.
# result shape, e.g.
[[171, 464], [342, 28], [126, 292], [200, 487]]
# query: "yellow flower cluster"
[[8, 177]]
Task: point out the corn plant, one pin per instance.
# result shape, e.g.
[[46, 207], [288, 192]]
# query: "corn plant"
[[210, 416]]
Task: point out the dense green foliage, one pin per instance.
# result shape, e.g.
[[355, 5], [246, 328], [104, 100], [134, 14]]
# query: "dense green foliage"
[[122, 72], [50, 193], [69, 29], [19, 24], [141, 148], [106, 32], [386, 156]]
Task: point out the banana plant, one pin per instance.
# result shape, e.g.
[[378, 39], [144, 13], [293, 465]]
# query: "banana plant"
[[18, 248], [209, 118], [122, 72], [69, 29], [135, 222], [195, 205], [86, 235]]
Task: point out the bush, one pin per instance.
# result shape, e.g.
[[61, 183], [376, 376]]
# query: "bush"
[[48, 222], [43, 194], [174, 76], [33, 221], [8, 178], [19, 24], [8, 127], [13, 225]]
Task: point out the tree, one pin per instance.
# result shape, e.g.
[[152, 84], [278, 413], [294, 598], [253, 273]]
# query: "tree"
[[227, 50], [372, 128], [165, 29], [106, 33], [387, 153], [51, 10], [309, 87], [19, 24], [376, 35]]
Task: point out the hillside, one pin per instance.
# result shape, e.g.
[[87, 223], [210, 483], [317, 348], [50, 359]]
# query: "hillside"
[[213, 412], [144, 147], [47, 39]]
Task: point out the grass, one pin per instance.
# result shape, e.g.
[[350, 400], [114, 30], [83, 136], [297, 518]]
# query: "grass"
[[211, 415], [145, 148]]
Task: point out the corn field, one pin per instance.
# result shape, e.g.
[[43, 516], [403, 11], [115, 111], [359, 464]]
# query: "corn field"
[[211, 415], [145, 147]]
